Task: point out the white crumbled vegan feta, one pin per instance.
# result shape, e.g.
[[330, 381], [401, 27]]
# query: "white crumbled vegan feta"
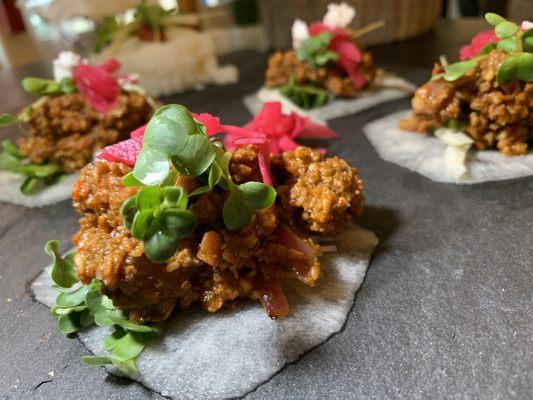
[[300, 32], [457, 146], [64, 65], [339, 15], [526, 25]]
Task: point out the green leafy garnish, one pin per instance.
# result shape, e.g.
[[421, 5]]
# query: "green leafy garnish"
[[173, 137], [79, 306], [38, 176], [315, 50], [456, 125], [104, 32], [48, 87], [7, 119], [517, 67], [158, 216], [518, 44], [304, 96]]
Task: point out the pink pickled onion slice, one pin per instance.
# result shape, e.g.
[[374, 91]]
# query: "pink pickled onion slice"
[[273, 298], [125, 152], [99, 87], [476, 45], [263, 155], [212, 123], [307, 129], [287, 237], [112, 65], [138, 133]]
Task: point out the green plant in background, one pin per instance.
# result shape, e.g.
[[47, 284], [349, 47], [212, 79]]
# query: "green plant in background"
[[79, 306], [516, 43], [304, 96]]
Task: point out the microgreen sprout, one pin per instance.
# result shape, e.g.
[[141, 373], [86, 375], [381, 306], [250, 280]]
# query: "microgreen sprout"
[[304, 96], [175, 143], [79, 306], [315, 50], [514, 42]]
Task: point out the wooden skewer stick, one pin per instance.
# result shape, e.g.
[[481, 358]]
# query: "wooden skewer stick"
[[367, 29]]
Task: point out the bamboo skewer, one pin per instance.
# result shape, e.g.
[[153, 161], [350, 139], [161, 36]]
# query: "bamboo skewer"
[[367, 29]]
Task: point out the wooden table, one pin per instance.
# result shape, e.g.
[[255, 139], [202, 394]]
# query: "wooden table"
[[445, 311]]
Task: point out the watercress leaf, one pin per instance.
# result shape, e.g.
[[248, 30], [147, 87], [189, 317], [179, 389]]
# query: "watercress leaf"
[[172, 134], [494, 19], [123, 322], [69, 323], [142, 224], [96, 301], [304, 96], [527, 41], [63, 272], [170, 180], [35, 85], [509, 45], [128, 210], [457, 70], [314, 49], [487, 48], [516, 67], [57, 311], [215, 174], [149, 198], [86, 319], [160, 246], [72, 299], [506, 29], [130, 180], [128, 347], [7, 119], [9, 147], [8, 162], [525, 67], [102, 319], [257, 194], [128, 367], [199, 191], [41, 170], [32, 185], [235, 212], [151, 167], [97, 360], [111, 339], [174, 196], [179, 223], [67, 85], [325, 57]]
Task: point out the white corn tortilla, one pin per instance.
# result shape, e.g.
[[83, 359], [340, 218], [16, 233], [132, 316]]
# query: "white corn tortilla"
[[230, 353], [386, 88], [424, 154], [10, 191]]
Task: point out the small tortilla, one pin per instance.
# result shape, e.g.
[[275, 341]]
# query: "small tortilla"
[[230, 353], [386, 88], [425, 155], [10, 193]]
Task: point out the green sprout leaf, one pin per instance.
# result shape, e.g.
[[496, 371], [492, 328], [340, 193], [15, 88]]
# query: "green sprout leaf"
[[63, 272], [315, 50], [518, 67], [244, 200], [128, 368], [172, 135], [304, 96], [527, 41], [72, 299], [7, 119], [459, 69], [494, 19], [487, 48], [159, 217], [69, 323], [509, 45], [506, 29], [46, 87], [130, 180]]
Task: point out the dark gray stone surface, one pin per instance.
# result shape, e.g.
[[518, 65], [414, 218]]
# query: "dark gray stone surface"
[[445, 311]]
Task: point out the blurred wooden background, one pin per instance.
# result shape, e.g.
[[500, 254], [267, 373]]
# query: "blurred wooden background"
[[403, 18]]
